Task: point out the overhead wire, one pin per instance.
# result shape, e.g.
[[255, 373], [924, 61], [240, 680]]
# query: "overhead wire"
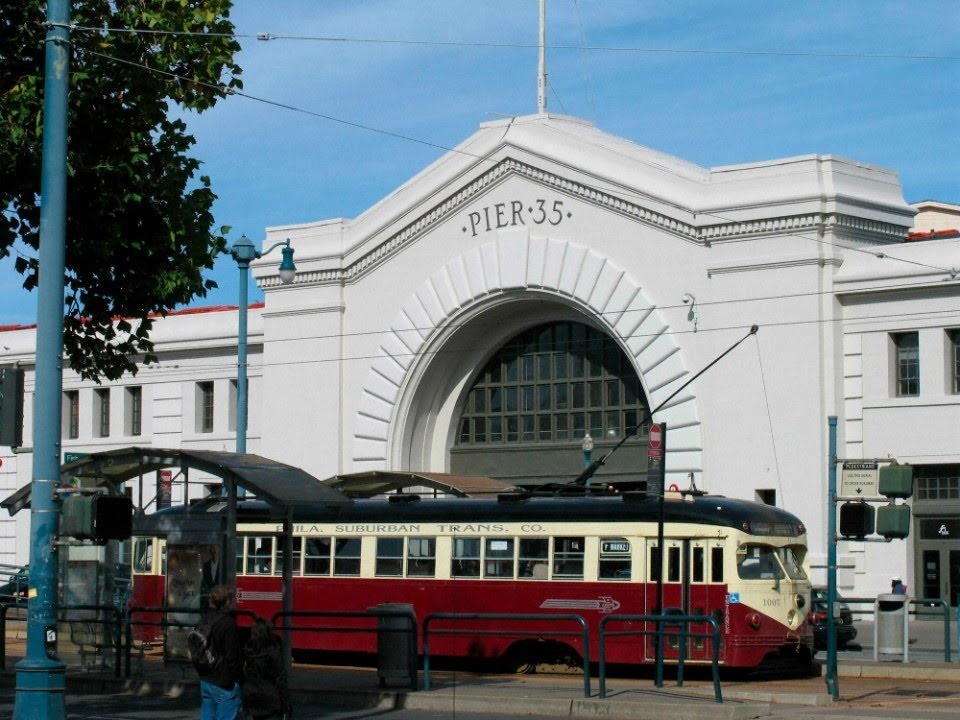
[[267, 36], [620, 190]]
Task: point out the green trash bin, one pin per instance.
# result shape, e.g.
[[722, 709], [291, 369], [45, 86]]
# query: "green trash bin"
[[396, 645]]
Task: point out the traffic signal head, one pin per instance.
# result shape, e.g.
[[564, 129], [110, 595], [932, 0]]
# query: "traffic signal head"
[[856, 519], [893, 521], [896, 481], [97, 517]]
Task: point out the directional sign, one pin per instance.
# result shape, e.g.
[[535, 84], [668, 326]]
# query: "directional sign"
[[859, 479]]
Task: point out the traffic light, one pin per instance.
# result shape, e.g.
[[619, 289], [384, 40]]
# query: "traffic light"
[[97, 517], [11, 407], [856, 519], [893, 521], [896, 481]]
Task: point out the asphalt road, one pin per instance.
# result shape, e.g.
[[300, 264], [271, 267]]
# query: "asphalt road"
[[926, 642]]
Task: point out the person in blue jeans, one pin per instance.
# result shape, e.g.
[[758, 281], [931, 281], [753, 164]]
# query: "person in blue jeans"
[[220, 690]]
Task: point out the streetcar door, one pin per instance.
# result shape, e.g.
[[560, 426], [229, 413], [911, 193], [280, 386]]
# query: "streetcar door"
[[685, 592]]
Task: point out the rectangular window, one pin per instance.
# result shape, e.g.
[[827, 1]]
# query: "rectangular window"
[[955, 357], [716, 564], [346, 556], [232, 406], [258, 556], [389, 557], [205, 407], [316, 559], [655, 564], [698, 568], [421, 557], [908, 363], [673, 564], [466, 557], [102, 408], [143, 555], [568, 557], [71, 414], [498, 558], [534, 558], [296, 555], [133, 410], [615, 562]]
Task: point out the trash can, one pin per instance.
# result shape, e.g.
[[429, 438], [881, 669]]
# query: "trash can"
[[890, 627], [396, 645]]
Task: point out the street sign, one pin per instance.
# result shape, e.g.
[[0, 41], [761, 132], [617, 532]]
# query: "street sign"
[[69, 457], [859, 479], [655, 438]]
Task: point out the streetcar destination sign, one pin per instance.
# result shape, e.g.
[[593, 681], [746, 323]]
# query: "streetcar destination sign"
[[860, 479]]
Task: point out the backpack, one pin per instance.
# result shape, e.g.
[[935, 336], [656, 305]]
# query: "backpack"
[[205, 659]]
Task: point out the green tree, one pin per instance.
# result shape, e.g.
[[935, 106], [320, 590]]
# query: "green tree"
[[140, 232]]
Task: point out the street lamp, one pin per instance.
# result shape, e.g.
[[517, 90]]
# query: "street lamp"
[[244, 253], [587, 446]]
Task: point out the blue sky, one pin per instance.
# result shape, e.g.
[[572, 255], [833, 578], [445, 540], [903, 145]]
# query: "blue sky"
[[272, 166]]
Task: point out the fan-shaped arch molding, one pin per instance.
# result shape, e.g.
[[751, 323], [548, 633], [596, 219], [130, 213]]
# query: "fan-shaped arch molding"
[[407, 407]]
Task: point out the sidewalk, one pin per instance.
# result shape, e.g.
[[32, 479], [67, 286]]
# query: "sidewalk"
[[874, 690]]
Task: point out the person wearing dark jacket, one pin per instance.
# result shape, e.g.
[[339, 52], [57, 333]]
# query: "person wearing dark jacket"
[[265, 691], [220, 689]]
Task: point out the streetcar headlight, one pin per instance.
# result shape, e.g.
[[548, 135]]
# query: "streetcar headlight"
[[801, 601]]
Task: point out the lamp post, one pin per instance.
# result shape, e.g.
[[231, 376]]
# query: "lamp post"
[[41, 677], [244, 253], [587, 446]]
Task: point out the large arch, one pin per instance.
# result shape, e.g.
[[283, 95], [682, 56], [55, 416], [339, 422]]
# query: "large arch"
[[467, 308]]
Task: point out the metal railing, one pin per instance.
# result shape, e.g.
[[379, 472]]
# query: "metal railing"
[[506, 617], [115, 623], [3, 629], [405, 613], [929, 602], [163, 622], [685, 621]]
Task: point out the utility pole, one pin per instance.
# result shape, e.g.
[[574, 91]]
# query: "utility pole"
[[40, 675]]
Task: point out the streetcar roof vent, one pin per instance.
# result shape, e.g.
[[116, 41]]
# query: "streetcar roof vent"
[[404, 498]]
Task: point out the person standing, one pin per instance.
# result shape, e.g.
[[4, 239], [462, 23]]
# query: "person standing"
[[265, 691], [897, 587], [220, 691]]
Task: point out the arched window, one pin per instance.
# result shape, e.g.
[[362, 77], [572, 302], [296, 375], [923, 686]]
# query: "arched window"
[[550, 385]]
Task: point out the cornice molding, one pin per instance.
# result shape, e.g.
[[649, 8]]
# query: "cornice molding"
[[703, 235], [773, 265]]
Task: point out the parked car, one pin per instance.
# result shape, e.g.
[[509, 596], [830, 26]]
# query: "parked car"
[[843, 619], [14, 589]]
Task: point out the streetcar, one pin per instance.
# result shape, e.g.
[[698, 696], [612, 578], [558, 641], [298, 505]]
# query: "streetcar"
[[742, 563]]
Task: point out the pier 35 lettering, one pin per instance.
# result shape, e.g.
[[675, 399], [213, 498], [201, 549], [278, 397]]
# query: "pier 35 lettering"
[[513, 213]]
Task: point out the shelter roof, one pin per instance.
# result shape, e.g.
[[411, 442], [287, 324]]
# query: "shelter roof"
[[275, 482], [377, 482]]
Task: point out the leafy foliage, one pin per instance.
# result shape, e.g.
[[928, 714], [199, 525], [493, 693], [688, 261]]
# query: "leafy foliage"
[[139, 224]]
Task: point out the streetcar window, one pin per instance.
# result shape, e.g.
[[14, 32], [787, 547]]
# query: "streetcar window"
[[390, 556], [346, 556], [422, 556], [259, 553], [655, 565], [698, 557], [568, 557], [466, 557], [534, 558], [792, 564], [615, 563], [716, 564], [143, 555], [498, 558], [295, 559], [759, 562], [673, 564], [316, 560], [163, 559]]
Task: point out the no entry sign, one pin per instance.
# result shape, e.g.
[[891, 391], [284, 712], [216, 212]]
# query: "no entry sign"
[[655, 438]]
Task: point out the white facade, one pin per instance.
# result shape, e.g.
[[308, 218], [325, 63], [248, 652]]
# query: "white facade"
[[365, 360]]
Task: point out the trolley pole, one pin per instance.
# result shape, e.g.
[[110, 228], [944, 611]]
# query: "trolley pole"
[[833, 686]]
